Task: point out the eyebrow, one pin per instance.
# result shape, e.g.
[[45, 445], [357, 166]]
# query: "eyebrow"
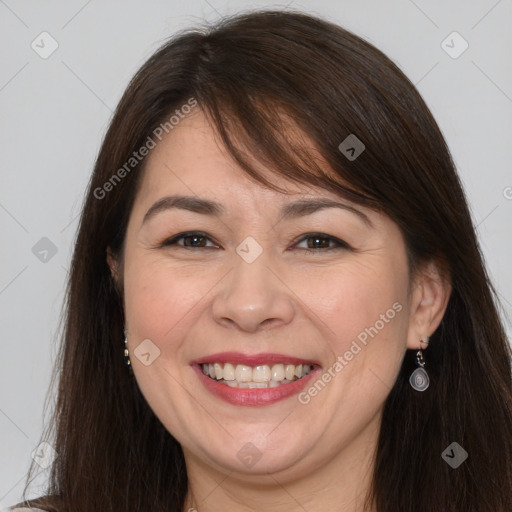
[[293, 210]]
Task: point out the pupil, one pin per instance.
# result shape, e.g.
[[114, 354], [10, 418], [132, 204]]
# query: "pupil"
[[318, 239], [195, 238]]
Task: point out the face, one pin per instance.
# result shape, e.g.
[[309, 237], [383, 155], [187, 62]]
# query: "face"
[[269, 292]]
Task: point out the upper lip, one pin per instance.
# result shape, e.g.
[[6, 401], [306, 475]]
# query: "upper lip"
[[252, 359]]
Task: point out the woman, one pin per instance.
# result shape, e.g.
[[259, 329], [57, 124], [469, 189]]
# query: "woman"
[[276, 241]]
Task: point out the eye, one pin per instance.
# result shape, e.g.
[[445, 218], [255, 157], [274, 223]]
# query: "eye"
[[320, 243], [193, 240]]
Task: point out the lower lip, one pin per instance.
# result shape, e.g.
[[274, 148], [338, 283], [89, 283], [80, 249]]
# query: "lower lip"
[[256, 396]]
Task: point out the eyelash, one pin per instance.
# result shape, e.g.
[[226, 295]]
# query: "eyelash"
[[340, 243]]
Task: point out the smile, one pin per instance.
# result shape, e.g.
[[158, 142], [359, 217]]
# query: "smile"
[[260, 376]]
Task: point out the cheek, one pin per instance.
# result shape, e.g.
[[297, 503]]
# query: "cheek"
[[152, 300], [363, 311], [161, 300], [159, 306], [354, 297]]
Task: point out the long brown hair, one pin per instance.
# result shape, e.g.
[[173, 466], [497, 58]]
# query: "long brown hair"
[[247, 73]]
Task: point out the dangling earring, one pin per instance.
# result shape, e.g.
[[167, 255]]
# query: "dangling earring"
[[419, 379], [126, 357]]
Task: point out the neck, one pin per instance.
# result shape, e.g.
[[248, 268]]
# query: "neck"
[[338, 481]]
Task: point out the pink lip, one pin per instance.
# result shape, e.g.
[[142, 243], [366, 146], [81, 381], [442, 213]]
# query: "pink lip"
[[257, 396], [251, 360]]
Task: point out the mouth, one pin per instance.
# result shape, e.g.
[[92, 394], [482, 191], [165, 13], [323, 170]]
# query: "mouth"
[[255, 377], [254, 380]]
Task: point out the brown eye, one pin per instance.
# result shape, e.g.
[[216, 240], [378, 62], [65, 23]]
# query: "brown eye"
[[192, 240], [319, 242]]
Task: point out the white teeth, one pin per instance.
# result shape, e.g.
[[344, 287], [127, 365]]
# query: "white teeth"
[[260, 376], [261, 373], [278, 372], [218, 370], [228, 371], [289, 371], [253, 385], [242, 373]]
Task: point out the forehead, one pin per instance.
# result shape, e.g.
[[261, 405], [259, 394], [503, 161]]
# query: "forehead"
[[192, 159]]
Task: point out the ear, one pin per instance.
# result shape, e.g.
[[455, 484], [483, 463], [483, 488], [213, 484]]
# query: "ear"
[[116, 273], [112, 263], [430, 294]]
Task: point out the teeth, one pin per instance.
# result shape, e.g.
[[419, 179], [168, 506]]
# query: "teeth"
[[261, 373], [254, 385], [260, 376], [289, 371], [228, 373], [242, 373], [218, 370], [277, 372]]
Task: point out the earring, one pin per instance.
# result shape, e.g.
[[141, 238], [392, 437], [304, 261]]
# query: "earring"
[[126, 357], [419, 379]]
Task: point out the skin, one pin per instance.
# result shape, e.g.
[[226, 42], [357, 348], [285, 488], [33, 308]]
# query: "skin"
[[194, 302]]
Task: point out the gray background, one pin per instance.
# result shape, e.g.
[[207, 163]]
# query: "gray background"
[[54, 113]]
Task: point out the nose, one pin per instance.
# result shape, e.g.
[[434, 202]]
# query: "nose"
[[252, 297]]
